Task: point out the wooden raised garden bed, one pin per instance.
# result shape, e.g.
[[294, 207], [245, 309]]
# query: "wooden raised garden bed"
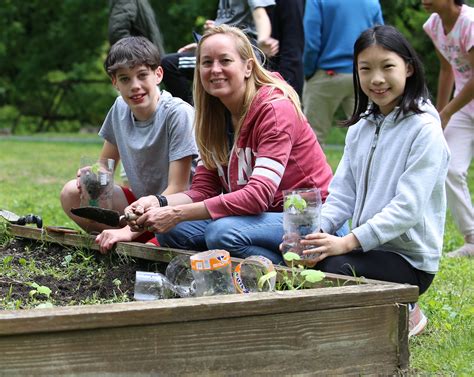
[[354, 328]]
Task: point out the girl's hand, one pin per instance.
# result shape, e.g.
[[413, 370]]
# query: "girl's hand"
[[328, 245], [445, 117]]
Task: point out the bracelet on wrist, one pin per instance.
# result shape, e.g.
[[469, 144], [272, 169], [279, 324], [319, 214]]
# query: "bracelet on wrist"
[[162, 200]]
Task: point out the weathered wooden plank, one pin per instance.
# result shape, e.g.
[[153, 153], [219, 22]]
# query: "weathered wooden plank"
[[201, 308], [403, 329], [344, 341]]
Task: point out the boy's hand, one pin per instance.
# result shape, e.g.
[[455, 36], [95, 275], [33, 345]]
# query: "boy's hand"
[[109, 237]]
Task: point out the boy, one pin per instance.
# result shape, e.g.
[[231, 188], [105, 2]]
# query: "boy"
[[149, 130]]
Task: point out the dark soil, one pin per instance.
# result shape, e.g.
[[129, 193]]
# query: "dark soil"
[[74, 276]]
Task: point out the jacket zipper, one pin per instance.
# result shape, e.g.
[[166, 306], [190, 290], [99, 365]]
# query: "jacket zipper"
[[369, 163]]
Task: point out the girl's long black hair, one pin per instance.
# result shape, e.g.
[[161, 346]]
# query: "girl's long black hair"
[[390, 39]]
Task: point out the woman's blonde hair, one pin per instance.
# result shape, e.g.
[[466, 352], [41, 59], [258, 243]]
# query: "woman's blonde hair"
[[209, 123]]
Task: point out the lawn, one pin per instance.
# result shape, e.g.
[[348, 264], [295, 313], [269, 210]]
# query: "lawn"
[[33, 172]]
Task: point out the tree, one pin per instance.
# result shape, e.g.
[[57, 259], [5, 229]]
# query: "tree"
[[47, 49]]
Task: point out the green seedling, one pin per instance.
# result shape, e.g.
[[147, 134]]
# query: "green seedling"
[[67, 260], [39, 289], [299, 274], [95, 168], [295, 201], [265, 279]]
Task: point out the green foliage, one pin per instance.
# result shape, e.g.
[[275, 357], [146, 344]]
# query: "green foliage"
[[298, 277], [295, 201], [51, 56], [48, 49], [178, 18], [39, 290]]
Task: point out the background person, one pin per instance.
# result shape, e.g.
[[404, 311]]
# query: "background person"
[[248, 15], [451, 27], [287, 28], [390, 180], [254, 142], [331, 28], [148, 129], [134, 18]]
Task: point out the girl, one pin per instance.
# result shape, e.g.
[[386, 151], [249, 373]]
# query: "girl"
[[254, 143], [451, 27], [390, 180]]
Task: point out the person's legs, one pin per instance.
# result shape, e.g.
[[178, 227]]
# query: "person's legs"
[[188, 235], [178, 73], [243, 236], [348, 102], [322, 95], [386, 266], [460, 138], [378, 265]]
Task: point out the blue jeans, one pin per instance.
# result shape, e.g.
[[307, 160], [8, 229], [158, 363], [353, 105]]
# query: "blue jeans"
[[241, 236]]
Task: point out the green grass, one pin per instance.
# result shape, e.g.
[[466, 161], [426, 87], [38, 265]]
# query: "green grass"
[[33, 173]]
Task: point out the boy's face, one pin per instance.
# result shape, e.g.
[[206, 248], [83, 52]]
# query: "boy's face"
[[138, 87]]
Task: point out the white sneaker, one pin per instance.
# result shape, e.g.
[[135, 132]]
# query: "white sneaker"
[[466, 250], [417, 321]]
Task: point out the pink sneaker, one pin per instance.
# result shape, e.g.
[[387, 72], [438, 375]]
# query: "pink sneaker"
[[417, 321]]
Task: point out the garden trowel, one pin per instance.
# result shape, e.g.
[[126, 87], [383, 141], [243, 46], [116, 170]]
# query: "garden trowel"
[[102, 215], [13, 218]]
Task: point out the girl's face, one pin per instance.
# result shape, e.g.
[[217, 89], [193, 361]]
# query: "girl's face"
[[435, 6], [138, 87], [382, 74], [222, 71]]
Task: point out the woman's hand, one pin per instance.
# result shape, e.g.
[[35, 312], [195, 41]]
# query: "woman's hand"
[[328, 245], [109, 237], [140, 206], [159, 219]]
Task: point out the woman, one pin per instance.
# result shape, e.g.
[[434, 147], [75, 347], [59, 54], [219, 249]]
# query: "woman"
[[254, 143]]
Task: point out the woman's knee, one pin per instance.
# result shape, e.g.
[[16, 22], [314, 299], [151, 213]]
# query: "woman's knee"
[[222, 234]]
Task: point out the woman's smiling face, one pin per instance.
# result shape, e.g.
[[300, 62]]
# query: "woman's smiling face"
[[222, 71]]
